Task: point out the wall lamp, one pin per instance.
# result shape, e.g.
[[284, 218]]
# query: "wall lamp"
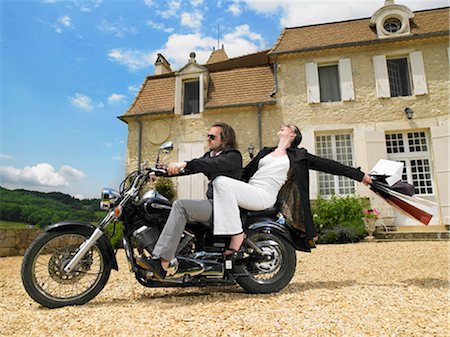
[[409, 112], [250, 150]]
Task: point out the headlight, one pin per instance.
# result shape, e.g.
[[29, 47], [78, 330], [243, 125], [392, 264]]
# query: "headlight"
[[108, 198]]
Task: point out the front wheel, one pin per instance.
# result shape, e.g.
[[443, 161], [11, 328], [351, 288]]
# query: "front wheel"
[[264, 277], [43, 274]]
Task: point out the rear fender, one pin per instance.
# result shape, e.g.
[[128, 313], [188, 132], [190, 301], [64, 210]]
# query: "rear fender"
[[103, 242], [285, 231]]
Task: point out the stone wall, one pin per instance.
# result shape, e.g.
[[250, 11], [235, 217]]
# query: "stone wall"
[[15, 241]]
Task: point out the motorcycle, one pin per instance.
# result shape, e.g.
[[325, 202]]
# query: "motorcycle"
[[70, 263]]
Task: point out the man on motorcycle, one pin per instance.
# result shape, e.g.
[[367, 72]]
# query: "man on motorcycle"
[[224, 159]]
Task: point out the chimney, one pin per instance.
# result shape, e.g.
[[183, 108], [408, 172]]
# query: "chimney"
[[161, 65]]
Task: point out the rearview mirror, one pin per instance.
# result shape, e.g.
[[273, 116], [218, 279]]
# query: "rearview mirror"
[[166, 148]]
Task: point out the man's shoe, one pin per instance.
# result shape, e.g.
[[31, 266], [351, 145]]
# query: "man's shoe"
[[153, 265]]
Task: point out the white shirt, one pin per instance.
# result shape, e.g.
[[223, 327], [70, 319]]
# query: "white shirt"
[[271, 174]]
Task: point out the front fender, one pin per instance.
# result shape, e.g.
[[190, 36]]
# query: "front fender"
[[285, 231], [103, 242]]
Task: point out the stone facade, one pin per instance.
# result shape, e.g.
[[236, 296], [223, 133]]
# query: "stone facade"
[[366, 116], [16, 241]]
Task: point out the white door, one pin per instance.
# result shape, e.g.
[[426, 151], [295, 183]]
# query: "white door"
[[192, 186]]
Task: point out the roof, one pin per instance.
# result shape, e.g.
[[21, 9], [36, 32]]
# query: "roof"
[[244, 80], [240, 86], [352, 32], [217, 56]]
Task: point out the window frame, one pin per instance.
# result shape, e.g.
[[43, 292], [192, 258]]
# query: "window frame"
[[183, 94], [408, 156], [337, 180]]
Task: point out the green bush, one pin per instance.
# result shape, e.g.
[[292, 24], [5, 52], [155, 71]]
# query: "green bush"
[[166, 187], [339, 219], [115, 235]]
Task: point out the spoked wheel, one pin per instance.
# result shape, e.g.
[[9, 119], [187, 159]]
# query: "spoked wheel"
[[43, 274], [268, 275]]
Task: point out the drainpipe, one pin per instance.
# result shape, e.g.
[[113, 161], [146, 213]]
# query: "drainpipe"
[[259, 126], [275, 79], [139, 144]]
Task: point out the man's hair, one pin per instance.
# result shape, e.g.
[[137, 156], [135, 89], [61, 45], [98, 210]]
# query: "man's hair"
[[298, 135], [227, 135]]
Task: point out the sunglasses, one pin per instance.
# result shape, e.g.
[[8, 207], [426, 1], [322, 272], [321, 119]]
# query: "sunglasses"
[[210, 136]]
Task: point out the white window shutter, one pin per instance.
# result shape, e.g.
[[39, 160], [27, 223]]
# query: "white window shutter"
[[418, 73], [312, 83], [346, 79], [381, 76]]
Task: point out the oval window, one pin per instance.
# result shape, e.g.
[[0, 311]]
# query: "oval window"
[[392, 25]]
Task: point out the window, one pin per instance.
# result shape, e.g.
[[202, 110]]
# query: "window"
[[400, 76], [399, 79], [330, 90], [412, 148], [191, 98], [338, 147], [392, 25], [329, 83]]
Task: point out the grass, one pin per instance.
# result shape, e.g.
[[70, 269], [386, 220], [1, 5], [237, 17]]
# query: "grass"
[[10, 224]]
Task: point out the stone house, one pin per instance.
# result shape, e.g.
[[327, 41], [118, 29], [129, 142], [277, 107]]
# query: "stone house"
[[360, 90]]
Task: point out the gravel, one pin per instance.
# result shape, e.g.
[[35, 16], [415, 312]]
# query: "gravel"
[[364, 289]]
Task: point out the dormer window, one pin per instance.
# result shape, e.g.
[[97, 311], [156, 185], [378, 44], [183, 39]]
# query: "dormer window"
[[392, 20], [392, 25], [191, 91], [191, 85]]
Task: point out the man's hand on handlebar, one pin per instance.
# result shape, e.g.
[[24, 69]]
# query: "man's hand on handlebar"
[[176, 168]]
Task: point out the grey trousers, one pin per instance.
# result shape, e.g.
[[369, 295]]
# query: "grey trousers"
[[183, 211]]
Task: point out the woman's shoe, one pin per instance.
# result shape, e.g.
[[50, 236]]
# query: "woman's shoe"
[[153, 265]]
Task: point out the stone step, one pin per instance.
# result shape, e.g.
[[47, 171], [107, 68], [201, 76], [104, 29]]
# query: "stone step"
[[412, 236]]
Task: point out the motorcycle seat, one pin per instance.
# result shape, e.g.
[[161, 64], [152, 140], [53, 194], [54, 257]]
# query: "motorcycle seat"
[[269, 212]]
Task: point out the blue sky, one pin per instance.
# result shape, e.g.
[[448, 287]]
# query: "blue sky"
[[69, 68]]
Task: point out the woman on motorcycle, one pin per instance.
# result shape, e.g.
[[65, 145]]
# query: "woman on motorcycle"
[[263, 178]]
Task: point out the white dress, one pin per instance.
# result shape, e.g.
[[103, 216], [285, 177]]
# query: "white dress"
[[258, 194]]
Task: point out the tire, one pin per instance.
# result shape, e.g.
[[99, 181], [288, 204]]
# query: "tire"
[[271, 276], [42, 269]]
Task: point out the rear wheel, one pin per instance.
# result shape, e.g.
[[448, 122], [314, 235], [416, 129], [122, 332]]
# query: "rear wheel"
[[268, 276], [43, 274]]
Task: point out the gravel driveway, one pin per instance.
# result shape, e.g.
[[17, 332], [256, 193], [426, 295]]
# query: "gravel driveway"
[[364, 289]]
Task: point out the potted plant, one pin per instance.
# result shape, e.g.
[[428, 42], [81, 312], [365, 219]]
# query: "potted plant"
[[370, 217]]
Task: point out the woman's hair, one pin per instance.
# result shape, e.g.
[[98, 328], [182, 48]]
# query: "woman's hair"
[[227, 134], [298, 135]]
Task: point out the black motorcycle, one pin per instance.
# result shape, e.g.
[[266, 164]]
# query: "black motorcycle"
[[70, 263]]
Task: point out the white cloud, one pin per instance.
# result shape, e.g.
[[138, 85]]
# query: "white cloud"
[[116, 98], [65, 21], [82, 101], [307, 12], [172, 8], [238, 42], [118, 28], [235, 8], [159, 26], [133, 59], [133, 88], [79, 196], [5, 156], [192, 20], [148, 3], [42, 174], [196, 3]]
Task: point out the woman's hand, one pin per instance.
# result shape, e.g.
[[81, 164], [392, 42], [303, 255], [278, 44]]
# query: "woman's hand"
[[175, 168], [366, 180]]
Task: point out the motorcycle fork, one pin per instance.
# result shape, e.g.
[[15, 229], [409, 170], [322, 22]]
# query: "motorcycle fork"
[[83, 249]]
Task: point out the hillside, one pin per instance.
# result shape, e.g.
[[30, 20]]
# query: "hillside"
[[39, 208]]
